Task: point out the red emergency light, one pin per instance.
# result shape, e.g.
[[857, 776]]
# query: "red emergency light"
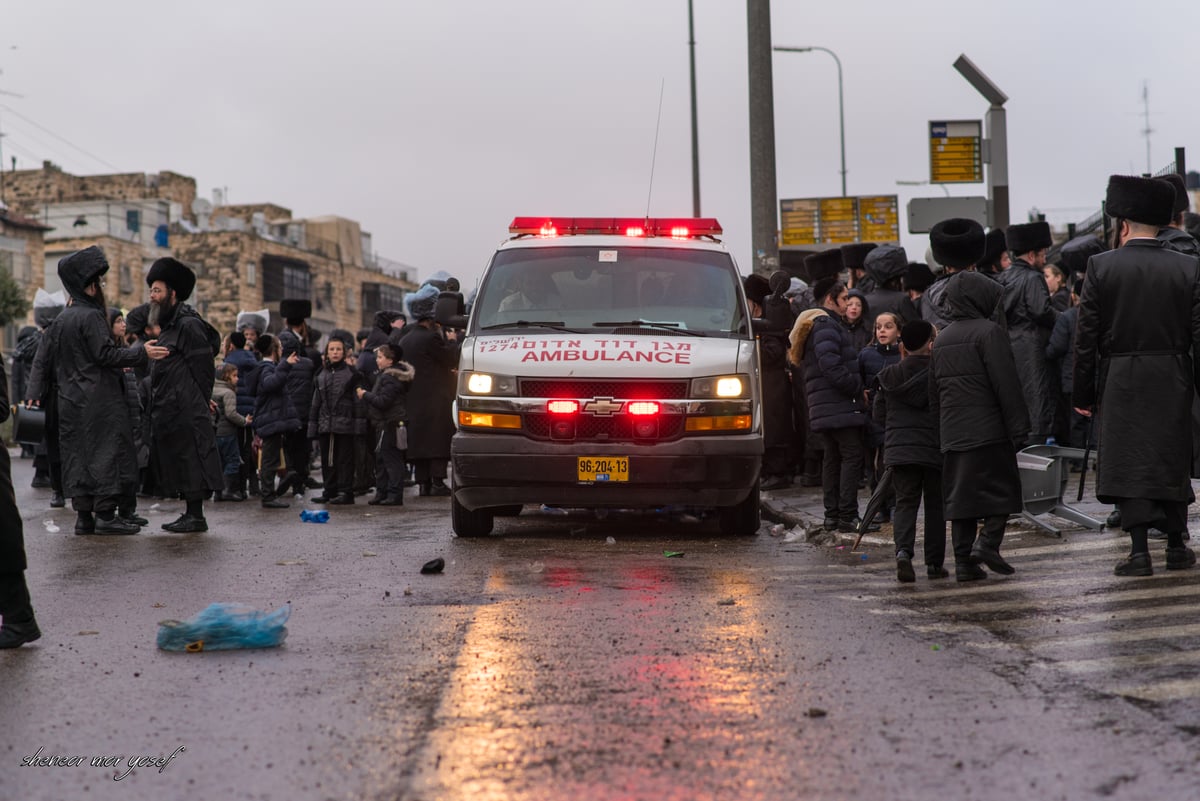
[[675, 227], [562, 406], [642, 407]]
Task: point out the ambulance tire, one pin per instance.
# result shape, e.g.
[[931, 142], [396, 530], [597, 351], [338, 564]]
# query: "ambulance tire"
[[514, 510], [741, 520], [470, 523]]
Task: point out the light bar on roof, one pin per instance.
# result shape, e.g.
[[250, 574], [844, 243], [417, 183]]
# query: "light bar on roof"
[[676, 227]]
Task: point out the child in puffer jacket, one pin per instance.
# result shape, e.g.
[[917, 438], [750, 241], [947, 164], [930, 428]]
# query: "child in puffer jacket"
[[387, 410], [334, 420]]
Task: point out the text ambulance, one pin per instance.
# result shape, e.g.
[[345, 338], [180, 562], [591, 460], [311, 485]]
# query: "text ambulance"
[[608, 363]]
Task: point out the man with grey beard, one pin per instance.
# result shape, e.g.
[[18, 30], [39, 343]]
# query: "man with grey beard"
[[180, 388]]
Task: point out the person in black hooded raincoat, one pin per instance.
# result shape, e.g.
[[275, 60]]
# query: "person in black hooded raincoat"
[[983, 421], [99, 456], [1136, 347], [180, 388], [433, 355], [17, 622]]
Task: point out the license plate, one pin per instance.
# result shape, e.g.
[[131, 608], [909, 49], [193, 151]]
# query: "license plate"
[[601, 469]]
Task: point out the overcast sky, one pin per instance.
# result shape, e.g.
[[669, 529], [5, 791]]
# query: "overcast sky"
[[434, 123]]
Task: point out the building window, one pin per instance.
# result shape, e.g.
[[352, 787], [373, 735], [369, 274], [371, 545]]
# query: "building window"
[[351, 299], [125, 279], [285, 278], [251, 274]]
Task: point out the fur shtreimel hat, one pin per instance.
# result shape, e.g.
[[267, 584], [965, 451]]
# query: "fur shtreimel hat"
[[918, 277], [1181, 193], [258, 320], [826, 264], [957, 242], [175, 274], [854, 256], [295, 310], [1028, 237], [1141, 200], [1075, 254], [915, 334], [994, 247], [757, 287]]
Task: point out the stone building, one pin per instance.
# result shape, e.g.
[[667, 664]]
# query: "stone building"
[[246, 257], [21, 256]]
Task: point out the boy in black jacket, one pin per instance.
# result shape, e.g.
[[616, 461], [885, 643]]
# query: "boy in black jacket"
[[912, 452], [387, 410]]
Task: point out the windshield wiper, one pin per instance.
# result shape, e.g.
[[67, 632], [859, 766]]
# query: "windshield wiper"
[[650, 324], [557, 325]]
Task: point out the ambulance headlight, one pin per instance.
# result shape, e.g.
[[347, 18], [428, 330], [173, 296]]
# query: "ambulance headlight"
[[721, 386], [487, 384]]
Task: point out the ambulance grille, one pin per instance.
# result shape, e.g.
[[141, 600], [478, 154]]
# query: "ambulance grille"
[[624, 389], [605, 429]]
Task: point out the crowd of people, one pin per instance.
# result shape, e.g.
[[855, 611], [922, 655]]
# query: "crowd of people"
[[156, 403], [934, 375]]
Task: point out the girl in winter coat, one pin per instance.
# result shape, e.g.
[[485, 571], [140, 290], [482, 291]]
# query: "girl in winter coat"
[[334, 421], [883, 352], [387, 409], [855, 319]]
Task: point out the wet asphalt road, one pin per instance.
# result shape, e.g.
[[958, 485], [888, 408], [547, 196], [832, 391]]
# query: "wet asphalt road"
[[550, 664]]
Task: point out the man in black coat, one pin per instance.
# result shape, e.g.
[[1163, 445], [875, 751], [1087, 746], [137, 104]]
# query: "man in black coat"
[[181, 386], [1029, 317], [977, 398], [886, 266], [1136, 345], [99, 460], [1173, 234], [16, 610], [433, 357], [778, 433]]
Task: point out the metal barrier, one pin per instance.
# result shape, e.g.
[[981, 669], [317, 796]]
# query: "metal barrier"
[[1044, 472]]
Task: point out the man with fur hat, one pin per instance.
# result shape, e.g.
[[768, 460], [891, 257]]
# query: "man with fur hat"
[[1173, 235], [956, 245], [886, 266], [778, 433], [995, 254], [96, 438], [252, 325], [1029, 317], [181, 386], [433, 357], [295, 313], [854, 258], [1136, 348], [823, 353]]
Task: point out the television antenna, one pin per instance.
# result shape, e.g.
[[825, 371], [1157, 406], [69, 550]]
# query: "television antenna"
[[1147, 130]]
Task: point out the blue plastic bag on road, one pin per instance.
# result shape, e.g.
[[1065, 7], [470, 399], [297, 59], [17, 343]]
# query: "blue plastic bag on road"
[[222, 627], [314, 516]]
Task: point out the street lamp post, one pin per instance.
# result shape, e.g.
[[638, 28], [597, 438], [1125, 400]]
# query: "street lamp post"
[[841, 104]]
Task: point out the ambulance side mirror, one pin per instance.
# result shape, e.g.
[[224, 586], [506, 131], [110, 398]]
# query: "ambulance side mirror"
[[450, 310]]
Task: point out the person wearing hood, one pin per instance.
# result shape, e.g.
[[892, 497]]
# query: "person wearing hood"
[[932, 310], [99, 458], [855, 317], [1136, 347], [386, 408], [18, 625], [821, 348], [296, 449], [981, 412], [434, 358], [181, 388], [39, 391], [1029, 317], [887, 265], [911, 450]]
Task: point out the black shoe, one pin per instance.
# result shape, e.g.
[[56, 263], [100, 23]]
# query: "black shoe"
[[810, 480], [186, 524], [852, 526], [830, 524], [904, 568], [775, 483], [1136, 564], [13, 635], [135, 519], [57, 501], [435, 491], [40, 481], [1180, 558], [273, 502], [345, 499], [395, 499], [1114, 519], [936, 572], [982, 552], [312, 483], [322, 498], [379, 498], [965, 571], [85, 523], [115, 525], [1156, 534], [408, 482]]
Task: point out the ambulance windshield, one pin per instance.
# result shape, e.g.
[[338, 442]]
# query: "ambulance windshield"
[[582, 287]]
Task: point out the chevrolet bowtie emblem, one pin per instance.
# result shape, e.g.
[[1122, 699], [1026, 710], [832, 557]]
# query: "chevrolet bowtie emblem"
[[602, 407]]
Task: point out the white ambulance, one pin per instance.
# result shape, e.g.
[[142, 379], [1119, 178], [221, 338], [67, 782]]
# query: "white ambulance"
[[607, 363]]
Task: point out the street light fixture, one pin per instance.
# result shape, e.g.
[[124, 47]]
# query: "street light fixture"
[[841, 105]]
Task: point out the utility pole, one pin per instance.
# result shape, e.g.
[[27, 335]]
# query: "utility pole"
[[695, 125], [763, 194], [1147, 130]]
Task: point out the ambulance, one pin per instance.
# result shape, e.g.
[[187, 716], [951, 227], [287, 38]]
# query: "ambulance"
[[607, 363]]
